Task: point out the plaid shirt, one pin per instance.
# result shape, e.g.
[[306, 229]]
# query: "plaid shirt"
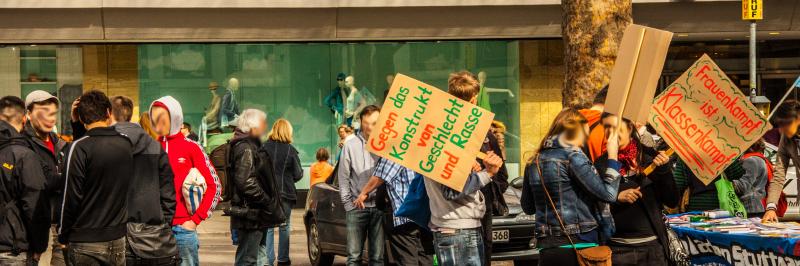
[[397, 179]]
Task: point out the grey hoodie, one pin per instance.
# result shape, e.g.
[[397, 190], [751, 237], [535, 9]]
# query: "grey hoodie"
[[452, 210]]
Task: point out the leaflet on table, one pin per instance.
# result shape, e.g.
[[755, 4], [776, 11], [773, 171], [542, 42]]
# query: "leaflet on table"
[[736, 225]]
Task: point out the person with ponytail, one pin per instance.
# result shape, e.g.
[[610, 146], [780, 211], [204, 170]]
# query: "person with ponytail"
[[567, 193]]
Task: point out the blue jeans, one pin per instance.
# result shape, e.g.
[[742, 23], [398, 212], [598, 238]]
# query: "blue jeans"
[[283, 237], [464, 247], [251, 242], [187, 245], [363, 223]]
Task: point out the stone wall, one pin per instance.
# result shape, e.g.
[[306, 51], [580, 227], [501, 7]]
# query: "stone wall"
[[541, 80]]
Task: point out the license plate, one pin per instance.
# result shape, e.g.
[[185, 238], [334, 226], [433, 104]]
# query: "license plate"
[[499, 236]]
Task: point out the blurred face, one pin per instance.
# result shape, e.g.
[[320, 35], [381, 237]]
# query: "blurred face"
[[368, 122], [340, 82], [43, 117], [342, 133], [390, 79], [260, 130], [161, 121], [185, 131], [790, 129]]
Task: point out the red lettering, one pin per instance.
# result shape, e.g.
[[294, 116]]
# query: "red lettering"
[[387, 132], [426, 135], [452, 160]]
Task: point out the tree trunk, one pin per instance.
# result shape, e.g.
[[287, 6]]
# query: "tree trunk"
[[592, 30]]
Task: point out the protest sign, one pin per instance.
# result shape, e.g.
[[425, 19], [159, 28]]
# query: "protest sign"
[[706, 119], [429, 131], [636, 71]]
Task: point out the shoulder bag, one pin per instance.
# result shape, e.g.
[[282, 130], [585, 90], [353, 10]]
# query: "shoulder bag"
[[593, 256]]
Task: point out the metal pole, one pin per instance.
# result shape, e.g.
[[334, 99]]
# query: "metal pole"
[[753, 58]]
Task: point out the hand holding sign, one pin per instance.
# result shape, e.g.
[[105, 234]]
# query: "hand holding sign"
[[430, 131]]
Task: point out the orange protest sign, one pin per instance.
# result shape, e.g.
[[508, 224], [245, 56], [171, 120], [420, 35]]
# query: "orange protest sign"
[[706, 119], [429, 131]]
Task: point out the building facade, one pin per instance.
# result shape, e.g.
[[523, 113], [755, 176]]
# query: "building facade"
[[284, 57]]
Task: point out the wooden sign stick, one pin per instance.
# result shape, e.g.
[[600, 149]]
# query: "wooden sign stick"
[[652, 167]]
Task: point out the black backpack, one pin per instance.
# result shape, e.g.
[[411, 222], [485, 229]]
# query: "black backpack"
[[220, 159]]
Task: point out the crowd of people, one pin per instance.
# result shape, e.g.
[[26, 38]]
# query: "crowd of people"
[[587, 186], [134, 193]]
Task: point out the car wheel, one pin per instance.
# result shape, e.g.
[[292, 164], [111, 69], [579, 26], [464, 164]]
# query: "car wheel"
[[315, 254], [525, 262]]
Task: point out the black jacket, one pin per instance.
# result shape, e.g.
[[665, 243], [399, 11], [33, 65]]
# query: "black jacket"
[[255, 188], [658, 189], [98, 175], [51, 166], [24, 212], [493, 192], [152, 183], [287, 167]]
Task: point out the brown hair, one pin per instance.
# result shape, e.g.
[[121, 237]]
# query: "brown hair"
[[346, 128], [368, 111], [323, 154], [569, 122], [281, 131], [147, 125], [464, 85], [122, 108]]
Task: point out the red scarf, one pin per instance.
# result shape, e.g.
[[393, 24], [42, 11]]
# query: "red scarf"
[[627, 157]]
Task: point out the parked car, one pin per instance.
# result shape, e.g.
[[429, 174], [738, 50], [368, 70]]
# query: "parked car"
[[327, 232]]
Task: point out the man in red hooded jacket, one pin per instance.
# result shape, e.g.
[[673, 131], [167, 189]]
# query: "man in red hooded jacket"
[[184, 155]]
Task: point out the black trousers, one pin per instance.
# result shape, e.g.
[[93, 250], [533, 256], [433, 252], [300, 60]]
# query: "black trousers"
[[411, 245], [558, 256], [651, 254]]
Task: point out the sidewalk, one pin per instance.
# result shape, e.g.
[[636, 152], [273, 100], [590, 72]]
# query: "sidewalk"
[[216, 248]]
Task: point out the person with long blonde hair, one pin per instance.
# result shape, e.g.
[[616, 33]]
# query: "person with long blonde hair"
[[288, 171], [146, 123], [567, 190]]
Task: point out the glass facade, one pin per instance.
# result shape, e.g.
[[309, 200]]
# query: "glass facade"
[[288, 80]]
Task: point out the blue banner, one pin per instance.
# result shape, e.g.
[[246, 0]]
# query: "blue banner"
[[714, 248]]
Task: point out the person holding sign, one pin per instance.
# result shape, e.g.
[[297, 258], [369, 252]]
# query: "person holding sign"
[[640, 236], [567, 188], [356, 166], [456, 216]]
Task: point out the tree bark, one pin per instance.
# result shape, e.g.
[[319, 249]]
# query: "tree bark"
[[592, 30]]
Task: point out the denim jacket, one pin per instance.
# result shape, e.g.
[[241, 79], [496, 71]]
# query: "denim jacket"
[[578, 191]]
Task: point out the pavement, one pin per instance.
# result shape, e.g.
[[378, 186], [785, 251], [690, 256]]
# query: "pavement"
[[216, 248]]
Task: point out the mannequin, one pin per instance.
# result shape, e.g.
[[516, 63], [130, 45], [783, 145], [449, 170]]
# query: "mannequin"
[[211, 119], [335, 100], [355, 101], [229, 107], [483, 96]]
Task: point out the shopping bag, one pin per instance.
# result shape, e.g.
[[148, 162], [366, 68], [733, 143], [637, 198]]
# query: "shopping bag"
[[728, 200], [415, 205]]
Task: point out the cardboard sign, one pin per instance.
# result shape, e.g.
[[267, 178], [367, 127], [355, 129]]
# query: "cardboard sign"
[[752, 10], [636, 72], [706, 119], [429, 131]]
